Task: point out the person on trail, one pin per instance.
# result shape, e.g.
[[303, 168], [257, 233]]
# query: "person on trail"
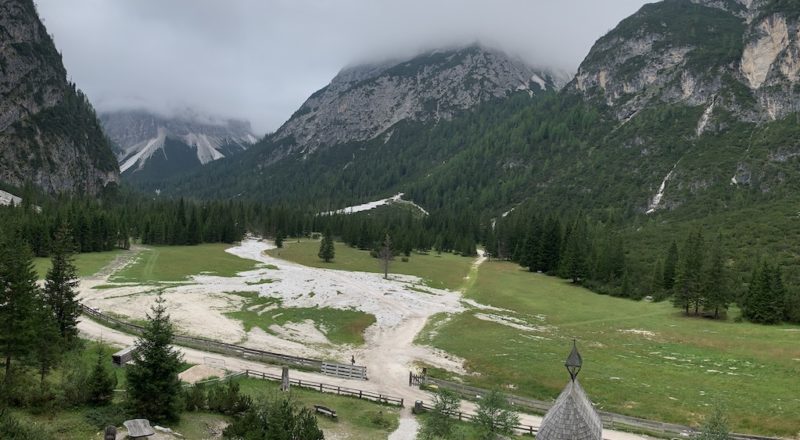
[[353, 360]]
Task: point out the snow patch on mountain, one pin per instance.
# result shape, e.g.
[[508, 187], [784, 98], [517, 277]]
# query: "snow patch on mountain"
[[7, 198], [139, 153], [397, 198]]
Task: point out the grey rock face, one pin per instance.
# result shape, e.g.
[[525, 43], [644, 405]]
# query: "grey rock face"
[[47, 132], [640, 63], [363, 102]]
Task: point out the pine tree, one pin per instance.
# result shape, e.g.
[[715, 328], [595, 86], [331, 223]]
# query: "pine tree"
[[60, 287], [19, 295], [574, 261], [326, 249], [193, 234], [689, 279], [385, 255], [153, 386], [101, 381], [657, 279], [716, 295], [764, 303], [279, 237], [670, 265]]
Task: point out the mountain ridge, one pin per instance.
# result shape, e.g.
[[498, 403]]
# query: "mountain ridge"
[[149, 144]]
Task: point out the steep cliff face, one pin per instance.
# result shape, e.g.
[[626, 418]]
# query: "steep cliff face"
[[739, 55], [151, 146], [49, 134], [363, 102]]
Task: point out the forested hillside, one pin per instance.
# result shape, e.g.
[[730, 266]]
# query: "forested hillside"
[[49, 133]]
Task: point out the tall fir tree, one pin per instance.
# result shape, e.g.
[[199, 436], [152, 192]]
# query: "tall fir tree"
[[689, 278], [154, 389], [326, 249], [19, 300], [716, 293], [385, 255], [670, 266], [60, 286]]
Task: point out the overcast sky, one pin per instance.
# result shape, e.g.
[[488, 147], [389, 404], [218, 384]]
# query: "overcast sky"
[[260, 59]]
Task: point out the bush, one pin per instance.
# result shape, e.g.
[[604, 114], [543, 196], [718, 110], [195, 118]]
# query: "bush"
[[273, 420], [195, 397], [112, 415], [12, 429], [380, 420], [226, 399], [404, 259]]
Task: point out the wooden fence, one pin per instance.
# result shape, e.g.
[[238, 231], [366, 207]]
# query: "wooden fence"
[[223, 348], [327, 388], [344, 371], [523, 429], [610, 420]]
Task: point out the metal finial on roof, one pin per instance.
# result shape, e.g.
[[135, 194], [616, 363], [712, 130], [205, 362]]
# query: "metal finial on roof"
[[574, 361]]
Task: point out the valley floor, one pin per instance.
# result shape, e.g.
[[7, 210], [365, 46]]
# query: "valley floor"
[[511, 329]]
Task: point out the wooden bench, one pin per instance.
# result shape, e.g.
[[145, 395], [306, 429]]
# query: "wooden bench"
[[325, 411]]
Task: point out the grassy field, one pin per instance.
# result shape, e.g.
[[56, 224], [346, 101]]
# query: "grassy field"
[[358, 419], [641, 359], [340, 326], [440, 271], [177, 263], [87, 264]]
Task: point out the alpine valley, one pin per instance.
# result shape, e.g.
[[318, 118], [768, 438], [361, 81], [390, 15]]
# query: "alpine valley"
[[684, 115], [451, 222]]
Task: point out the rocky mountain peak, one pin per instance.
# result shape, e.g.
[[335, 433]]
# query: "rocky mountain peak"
[[143, 137], [363, 102], [740, 55]]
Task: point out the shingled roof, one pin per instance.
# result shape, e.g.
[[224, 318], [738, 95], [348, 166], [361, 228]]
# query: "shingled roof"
[[572, 417]]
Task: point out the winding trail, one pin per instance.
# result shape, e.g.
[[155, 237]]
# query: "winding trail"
[[389, 353]]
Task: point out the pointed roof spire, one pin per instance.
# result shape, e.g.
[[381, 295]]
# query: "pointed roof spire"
[[574, 361], [572, 416]]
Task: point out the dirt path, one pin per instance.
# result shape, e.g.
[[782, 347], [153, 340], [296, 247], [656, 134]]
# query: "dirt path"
[[389, 352]]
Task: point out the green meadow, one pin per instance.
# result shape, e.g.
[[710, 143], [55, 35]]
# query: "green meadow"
[[642, 359], [177, 263], [446, 271], [340, 326], [87, 264]]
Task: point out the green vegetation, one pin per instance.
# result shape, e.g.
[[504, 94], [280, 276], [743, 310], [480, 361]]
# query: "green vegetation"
[[439, 271], [359, 419], [88, 264], [177, 263], [642, 359], [340, 326]]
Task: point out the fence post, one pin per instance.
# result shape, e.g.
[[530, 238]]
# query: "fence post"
[[360, 394]]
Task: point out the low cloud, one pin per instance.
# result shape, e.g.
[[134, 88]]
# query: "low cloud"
[[259, 60]]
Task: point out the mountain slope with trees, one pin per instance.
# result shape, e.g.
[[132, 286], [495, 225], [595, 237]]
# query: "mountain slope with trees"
[[49, 133]]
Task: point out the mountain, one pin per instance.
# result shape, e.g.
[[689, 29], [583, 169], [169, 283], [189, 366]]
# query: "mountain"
[[332, 149], [152, 147], [365, 101], [742, 56], [49, 134]]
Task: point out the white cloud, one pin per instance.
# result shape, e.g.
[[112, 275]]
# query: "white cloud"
[[259, 60]]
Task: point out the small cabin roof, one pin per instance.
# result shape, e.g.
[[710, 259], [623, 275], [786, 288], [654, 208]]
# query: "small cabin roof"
[[572, 417]]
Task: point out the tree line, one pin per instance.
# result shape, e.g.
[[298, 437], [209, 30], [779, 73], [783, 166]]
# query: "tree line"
[[695, 276]]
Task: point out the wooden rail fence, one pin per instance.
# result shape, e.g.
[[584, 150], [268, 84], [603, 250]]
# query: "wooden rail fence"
[[233, 350], [333, 389]]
